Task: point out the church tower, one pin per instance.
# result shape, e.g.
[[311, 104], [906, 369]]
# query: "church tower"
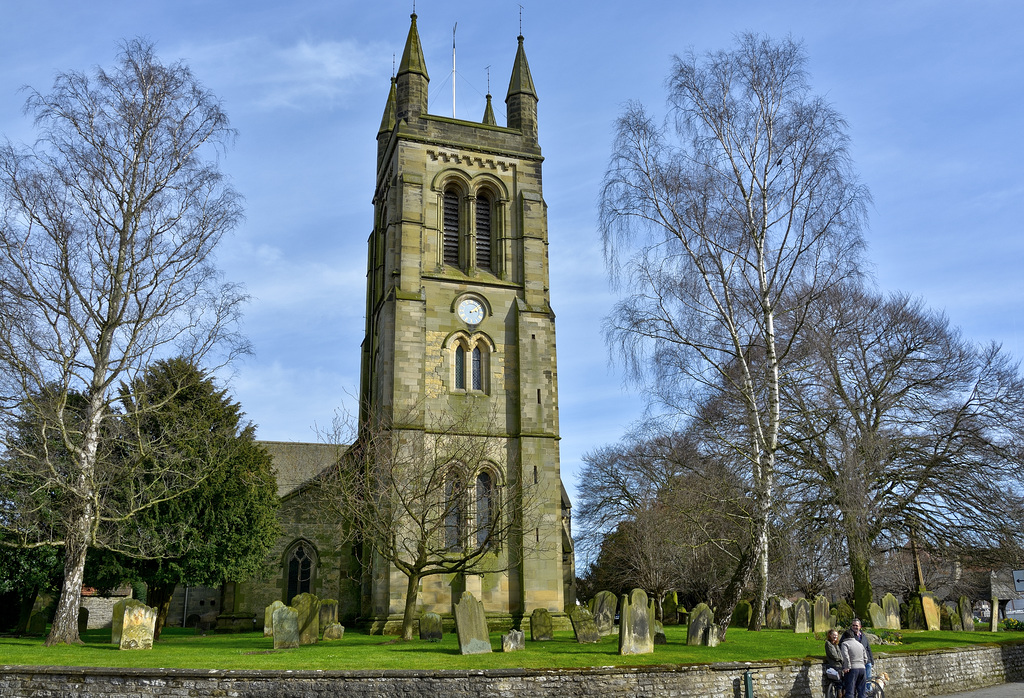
[[460, 339]]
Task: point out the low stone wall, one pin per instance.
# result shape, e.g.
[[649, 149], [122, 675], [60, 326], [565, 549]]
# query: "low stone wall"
[[915, 674]]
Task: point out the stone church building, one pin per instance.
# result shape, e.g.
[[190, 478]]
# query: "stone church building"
[[458, 321]]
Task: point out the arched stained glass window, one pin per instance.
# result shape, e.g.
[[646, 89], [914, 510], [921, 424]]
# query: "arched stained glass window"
[[301, 564]]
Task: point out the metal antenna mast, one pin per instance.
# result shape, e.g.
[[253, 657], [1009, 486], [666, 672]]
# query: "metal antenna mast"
[[453, 68]]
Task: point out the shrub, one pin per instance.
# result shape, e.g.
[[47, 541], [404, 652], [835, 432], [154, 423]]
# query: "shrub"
[[1012, 624], [889, 637]]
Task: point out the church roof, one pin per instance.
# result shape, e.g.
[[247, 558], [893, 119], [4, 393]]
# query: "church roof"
[[296, 463]]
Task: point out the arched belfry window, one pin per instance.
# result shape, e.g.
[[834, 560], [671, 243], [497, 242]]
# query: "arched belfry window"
[[469, 360], [300, 567], [483, 232], [451, 227], [485, 508]]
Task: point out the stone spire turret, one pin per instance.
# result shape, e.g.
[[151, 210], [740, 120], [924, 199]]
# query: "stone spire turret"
[[522, 96], [489, 113], [388, 121], [411, 94]]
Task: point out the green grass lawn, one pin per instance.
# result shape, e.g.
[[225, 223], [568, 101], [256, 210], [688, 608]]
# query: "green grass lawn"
[[179, 648]]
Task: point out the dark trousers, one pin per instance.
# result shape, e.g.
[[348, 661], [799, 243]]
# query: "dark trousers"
[[853, 683]]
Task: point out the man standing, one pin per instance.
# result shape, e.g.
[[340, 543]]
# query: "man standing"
[[854, 662], [862, 638]]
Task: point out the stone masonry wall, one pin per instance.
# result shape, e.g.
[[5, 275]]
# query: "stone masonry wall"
[[914, 674]]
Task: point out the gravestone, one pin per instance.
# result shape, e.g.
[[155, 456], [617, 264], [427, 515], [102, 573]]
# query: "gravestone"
[[268, 618], [930, 607], [740, 614], [891, 609], [471, 625], [604, 612], [652, 615], [635, 624], [822, 622], [877, 615], [583, 626], [993, 623], [773, 614], [659, 633], [334, 631], [286, 628], [328, 612], [308, 608], [542, 628], [787, 616], [431, 628], [801, 616], [83, 620], [915, 614], [956, 623], [514, 640], [36, 624], [701, 621], [670, 608], [966, 614], [137, 625]]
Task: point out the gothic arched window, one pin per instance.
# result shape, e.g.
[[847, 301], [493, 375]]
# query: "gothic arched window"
[[460, 367], [483, 232], [454, 512], [451, 227], [484, 508], [477, 369], [300, 566]]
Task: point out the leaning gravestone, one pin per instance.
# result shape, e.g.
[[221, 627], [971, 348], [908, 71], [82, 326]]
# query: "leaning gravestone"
[[822, 622], [328, 612], [702, 620], [635, 624], [583, 626], [471, 625], [670, 608], [966, 614], [431, 628], [83, 620], [877, 616], [604, 612], [801, 616], [308, 607], [891, 609], [515, 640], [334, 631], [286, 628], [135, 625], [930, 608], [268, 618], [542, 628], [773, 615]]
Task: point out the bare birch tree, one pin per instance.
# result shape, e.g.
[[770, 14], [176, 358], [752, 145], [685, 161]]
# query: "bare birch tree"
[[108, 229], [709, 221]]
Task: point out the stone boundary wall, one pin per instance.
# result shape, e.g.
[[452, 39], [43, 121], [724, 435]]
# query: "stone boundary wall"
[[913, 674]]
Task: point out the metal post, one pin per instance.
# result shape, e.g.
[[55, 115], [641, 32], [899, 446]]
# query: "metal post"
[[748, 684]]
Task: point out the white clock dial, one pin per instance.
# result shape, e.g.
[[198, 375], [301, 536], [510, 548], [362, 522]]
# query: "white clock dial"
[[471, 311]]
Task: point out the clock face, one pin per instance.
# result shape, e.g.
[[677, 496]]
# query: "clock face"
[[471, 311]]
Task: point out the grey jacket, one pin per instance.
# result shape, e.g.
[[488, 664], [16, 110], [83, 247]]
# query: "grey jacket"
[[854, 656]]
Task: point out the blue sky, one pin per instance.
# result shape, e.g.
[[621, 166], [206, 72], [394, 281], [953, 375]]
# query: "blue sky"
[[932, 92]]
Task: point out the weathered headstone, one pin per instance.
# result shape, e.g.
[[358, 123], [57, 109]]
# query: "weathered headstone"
[[891, 609], [877, 616], [514, 640], [801, 616], [915, 614], [787, 615], [670, 608], [652, 615], [431, 628], [83, 620], [701, 621], [308, 607], [138, 624], [604, 611], [471, 625], [328, 612], [932, 616], [773, 614], [966, 614], [116, 621], [993, 622], [822, 622], [740, 614], [286, 628], [956, 623], [268, 618], [659, 633], [583, 625], [36, 624], [542, 628], [334, 631], [635, 624]]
